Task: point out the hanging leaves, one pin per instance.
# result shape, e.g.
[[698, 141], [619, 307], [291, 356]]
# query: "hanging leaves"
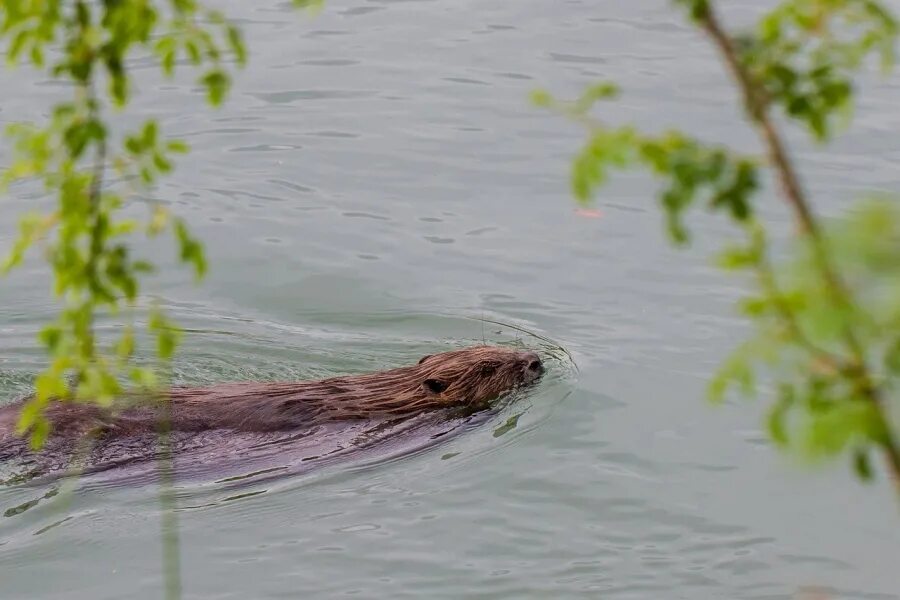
[[84, 238]]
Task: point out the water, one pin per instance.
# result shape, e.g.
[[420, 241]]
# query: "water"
[[376, 185]]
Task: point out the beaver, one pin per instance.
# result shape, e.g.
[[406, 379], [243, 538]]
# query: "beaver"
[[469, 378]]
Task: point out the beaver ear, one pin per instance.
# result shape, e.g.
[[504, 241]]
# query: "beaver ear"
[[424, 358], [435, 386]]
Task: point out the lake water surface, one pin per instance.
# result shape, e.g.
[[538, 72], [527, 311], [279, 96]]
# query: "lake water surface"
[[377, 185]]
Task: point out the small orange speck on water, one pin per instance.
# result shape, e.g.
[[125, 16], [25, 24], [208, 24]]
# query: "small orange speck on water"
[[812, 593], [590, 213]]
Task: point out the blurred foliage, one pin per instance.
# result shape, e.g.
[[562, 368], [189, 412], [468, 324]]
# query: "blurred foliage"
[[85, 237], [691, 171], [826, 316], [804, 54], [823, 392]]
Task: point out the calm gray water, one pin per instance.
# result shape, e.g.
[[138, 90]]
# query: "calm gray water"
[[377, 184]]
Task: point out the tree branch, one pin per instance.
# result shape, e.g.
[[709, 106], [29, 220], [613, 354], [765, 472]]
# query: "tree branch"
[[757, 106]]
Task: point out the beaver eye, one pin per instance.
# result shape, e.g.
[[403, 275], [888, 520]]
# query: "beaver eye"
[[488, 370], [435, 386]]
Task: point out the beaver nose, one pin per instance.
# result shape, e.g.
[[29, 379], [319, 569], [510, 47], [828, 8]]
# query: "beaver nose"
[[534, 363]]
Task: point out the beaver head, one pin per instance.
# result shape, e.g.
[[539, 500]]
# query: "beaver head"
[[476, 375]]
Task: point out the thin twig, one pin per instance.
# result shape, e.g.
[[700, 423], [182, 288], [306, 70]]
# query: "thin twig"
[[766, 274], [95, 191], [168, 502], [171, 555]]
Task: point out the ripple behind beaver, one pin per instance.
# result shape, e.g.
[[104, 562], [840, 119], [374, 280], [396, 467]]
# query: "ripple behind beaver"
[[466, 378]]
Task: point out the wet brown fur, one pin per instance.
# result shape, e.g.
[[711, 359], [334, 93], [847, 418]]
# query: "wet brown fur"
[[469, 377]]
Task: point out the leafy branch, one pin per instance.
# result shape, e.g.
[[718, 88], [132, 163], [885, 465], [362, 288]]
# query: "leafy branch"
[[757, 107], [822, 319], [84, 238]]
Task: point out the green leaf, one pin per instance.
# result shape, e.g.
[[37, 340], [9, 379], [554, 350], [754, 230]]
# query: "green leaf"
[[236, 43], [167, 334], [162, 164], [862, 465], [125, 346], [143, 266], [37, 56], [31, 413], [165, 345], [40, 431], [697, 9], [310, 5], [49, 385], [158, 221], [144, 377], [118, 88], [134, 145], [166, 49], [149, 134], [216, 83], [833, 426], [736, 370], [778, 415], [755, 307], [177, 146], [193, 51], [51, 336], [191, 250], [737, 257], [541, 98], [594, 93]]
